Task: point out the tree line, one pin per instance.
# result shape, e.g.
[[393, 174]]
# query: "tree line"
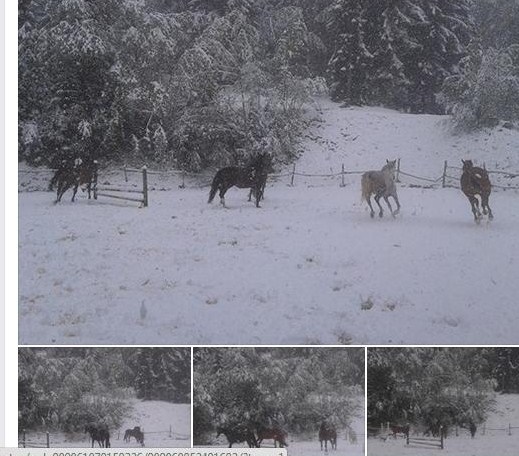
[[65, 388], [199, 83]]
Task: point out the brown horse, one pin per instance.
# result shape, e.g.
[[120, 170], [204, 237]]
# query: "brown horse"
[[136, 433], [74, 174], [399, 429], [275, 433], [382, 185], [253, 176], [327, 432], [474, 181]]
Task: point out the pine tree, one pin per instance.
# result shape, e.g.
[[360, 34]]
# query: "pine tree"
[[351, 59]]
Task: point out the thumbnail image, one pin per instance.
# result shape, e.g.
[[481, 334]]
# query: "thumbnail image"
[[304, 399], [104, 397]]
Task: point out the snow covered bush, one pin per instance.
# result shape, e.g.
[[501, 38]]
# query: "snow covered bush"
[[428, 386], [487, 89]]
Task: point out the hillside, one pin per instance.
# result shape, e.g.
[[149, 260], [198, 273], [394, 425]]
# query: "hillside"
[[310, 266]]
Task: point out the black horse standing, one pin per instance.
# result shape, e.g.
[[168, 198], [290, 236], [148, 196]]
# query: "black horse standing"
[[238, 434], [253, 176], [98, 433], [327, 432]]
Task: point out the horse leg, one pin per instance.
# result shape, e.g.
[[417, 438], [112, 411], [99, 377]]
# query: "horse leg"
[[474, 203], [386, 199], [377, 200], [61, 190], [75, 191], [372, 212], [257, 192], [223, 190], [395, 197], [486, 207]]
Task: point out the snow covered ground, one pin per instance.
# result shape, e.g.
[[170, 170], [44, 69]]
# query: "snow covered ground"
[[492, 443], [310, 266], [309, 445], [154, 418]]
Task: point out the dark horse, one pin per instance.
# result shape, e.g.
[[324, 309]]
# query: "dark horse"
[[253, 176], [136, 433], [275, 433], [474, 181], [98, 433], [327, 432], [238, 434], [399, 429], [72, 175]]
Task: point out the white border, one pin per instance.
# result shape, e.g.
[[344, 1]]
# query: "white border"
[[11, 228], [2, 229]]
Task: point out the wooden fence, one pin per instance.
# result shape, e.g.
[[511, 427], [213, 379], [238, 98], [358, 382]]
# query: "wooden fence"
[[445, 179], [508, 429], [122, 193], [24, 442], [43, 439], [426, 442], [448, 178]]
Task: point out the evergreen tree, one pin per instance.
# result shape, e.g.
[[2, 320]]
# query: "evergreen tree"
[[349, 64]]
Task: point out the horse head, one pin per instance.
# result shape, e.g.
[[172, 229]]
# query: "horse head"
[[467, 165]]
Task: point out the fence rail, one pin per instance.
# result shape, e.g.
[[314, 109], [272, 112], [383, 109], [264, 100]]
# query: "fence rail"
[[426, 442], [447, 178]]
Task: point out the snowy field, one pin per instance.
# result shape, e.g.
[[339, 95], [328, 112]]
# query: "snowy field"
[[154, 418], [490, 444], [310, 266], [309, 445]]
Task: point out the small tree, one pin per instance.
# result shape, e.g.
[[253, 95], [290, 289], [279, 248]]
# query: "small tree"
[[487, 89]]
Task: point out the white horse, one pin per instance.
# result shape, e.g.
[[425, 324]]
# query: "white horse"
[[382, 184]]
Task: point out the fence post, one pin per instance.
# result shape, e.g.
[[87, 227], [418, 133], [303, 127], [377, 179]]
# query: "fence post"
[[48, 440], [170, 431], [342, 176], [441, 437], [483, 431], [293, 175], [125, 174], [398, 171], [145, 186], [509, 429], [457, 431], [23, 438], [444, 173], [183, 185], [96, 175]]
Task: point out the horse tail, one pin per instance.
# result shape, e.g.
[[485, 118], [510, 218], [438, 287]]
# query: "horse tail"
[[214, 187], [365, 185]]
